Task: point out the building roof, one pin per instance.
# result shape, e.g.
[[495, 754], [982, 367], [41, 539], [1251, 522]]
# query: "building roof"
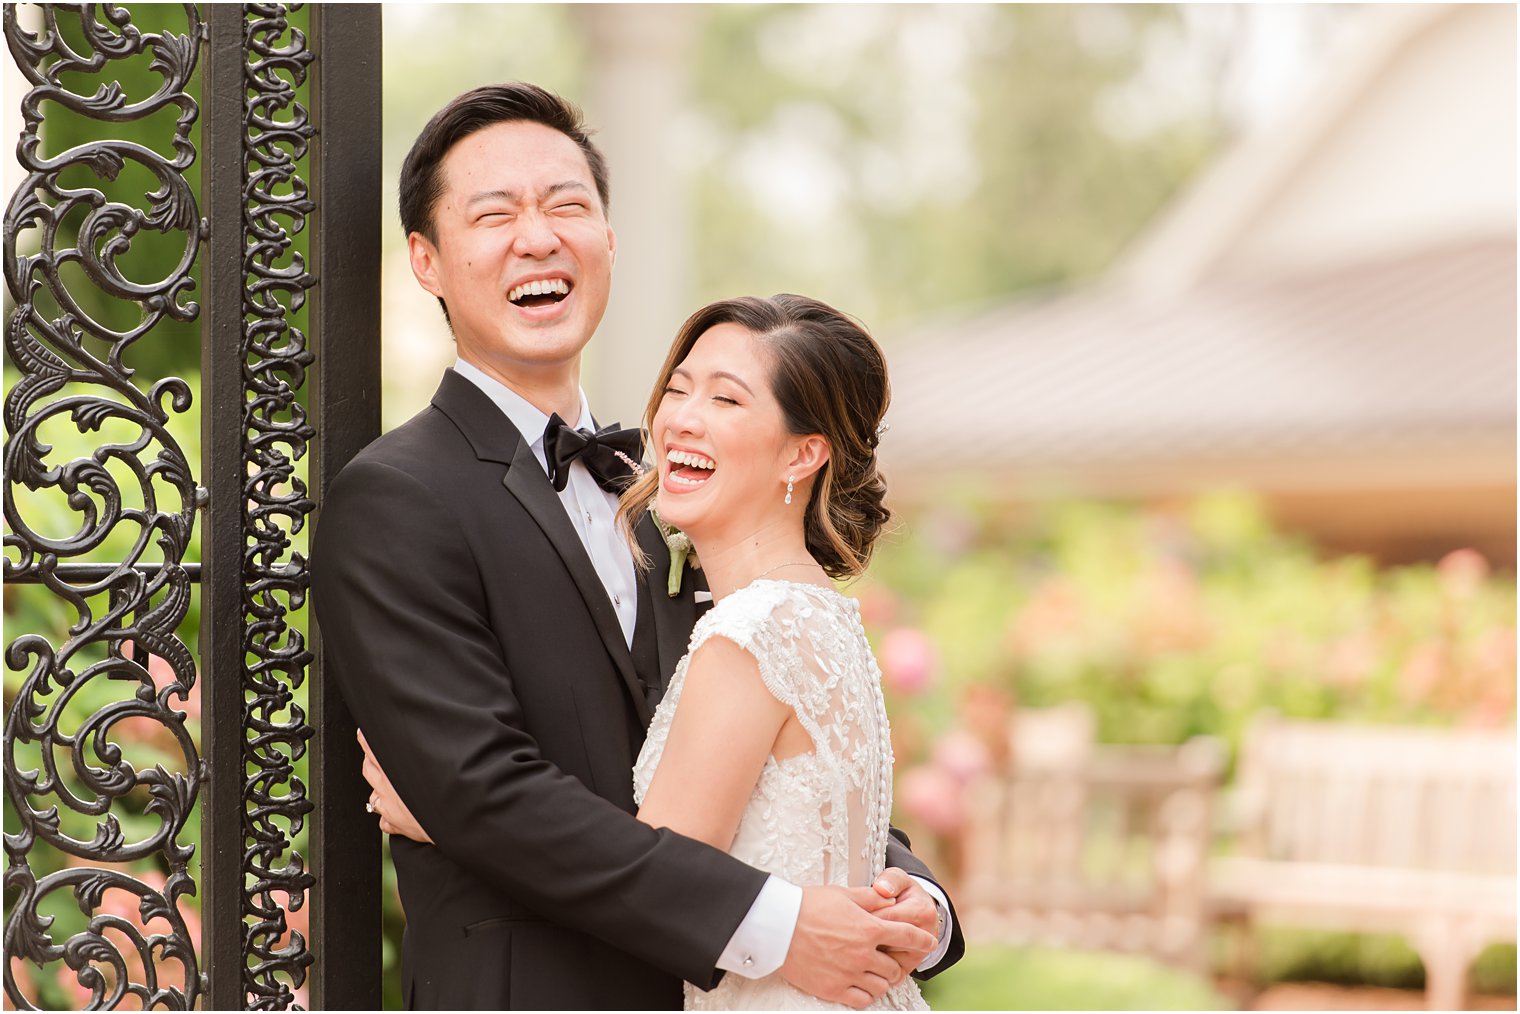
[[1413, 352], [1330, 305]]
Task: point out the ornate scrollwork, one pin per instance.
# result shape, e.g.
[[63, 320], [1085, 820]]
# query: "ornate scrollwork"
[[68, 757], [277, 432]]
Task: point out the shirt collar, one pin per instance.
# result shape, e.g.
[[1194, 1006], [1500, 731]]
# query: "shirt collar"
[[530, 422]]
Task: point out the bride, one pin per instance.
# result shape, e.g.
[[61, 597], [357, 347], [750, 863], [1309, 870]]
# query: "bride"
[[772, 741]]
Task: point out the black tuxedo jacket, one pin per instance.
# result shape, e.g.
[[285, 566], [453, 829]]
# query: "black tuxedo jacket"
[[476, 647]]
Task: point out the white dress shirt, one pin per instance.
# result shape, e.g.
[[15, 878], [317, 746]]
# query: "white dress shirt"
[[758, 947]]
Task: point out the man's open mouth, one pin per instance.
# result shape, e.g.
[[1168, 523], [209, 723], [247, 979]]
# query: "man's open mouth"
[[541, 293], [690, 469]]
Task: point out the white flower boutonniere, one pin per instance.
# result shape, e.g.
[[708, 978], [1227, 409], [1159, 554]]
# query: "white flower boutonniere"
[[681, 552]]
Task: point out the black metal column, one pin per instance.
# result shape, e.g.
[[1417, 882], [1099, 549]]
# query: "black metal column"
[[346, 405], [223, 473], [104, 522]]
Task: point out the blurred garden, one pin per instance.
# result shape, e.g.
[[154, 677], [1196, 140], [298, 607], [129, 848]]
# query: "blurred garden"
[[912, 164], [1168, 625]]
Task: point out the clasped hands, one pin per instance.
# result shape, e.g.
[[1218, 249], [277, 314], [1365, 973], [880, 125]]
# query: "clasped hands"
[[850, 946]]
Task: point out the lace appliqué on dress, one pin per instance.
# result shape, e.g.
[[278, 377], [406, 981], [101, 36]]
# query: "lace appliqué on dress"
[[814, 818]]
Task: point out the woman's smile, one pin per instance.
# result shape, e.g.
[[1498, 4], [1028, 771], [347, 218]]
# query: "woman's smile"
[[687, 470]]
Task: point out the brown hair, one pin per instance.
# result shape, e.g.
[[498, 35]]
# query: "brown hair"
[[517, 101], [830, 378]]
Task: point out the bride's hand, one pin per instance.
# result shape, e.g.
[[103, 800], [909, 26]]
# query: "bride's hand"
[[913, 905], [395, 818], [841, 952]]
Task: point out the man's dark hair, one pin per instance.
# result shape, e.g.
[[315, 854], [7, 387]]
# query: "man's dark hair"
[[422, 172]]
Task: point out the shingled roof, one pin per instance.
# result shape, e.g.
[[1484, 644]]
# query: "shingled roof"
[[1415, 351]]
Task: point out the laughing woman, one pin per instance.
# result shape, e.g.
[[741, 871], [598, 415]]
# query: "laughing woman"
[[772, 740]]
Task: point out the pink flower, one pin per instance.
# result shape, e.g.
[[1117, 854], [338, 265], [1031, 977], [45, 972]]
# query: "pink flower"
[[1351, 660], [1168, 611], [1462, 572], [1494, 655], [932, 798], [1055, 611], [1421, 673], [125, 905], [163, 675], [961, 755], [907, 660]]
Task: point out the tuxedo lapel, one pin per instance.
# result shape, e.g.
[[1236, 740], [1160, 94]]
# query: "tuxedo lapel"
[[673, 617], [526, 481], [494, 438]]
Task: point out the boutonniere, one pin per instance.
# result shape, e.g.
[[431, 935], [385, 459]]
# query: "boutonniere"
[[681, 552]]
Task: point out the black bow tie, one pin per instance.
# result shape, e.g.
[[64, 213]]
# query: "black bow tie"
[[609, 454]]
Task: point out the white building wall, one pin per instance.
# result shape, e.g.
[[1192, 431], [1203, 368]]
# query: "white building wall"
[[1425, 154], [635, 88]]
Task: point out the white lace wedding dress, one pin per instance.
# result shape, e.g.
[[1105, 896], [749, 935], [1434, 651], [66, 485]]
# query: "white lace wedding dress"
[[814, 818]]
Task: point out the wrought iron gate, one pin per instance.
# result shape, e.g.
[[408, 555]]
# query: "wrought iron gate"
[[104, 490]]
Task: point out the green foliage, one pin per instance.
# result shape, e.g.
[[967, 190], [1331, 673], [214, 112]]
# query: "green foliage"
[[1009, 978], [1171, 625], [1368, 959], [959, 154], [1494, 972]]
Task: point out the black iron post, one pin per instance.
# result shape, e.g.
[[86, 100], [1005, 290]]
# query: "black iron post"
[[346, 402], [65, 770], [223, 472]]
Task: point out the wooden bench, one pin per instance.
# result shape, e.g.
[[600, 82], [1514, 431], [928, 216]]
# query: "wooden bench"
[[1089, 846], [1376, 829]]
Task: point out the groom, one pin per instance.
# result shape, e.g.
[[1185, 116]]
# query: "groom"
[[502, 655]]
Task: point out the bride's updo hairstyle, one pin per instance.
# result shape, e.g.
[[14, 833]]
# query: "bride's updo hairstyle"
[[830, 378]]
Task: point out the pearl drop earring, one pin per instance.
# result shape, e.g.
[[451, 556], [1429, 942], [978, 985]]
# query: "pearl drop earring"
[[789, 481]]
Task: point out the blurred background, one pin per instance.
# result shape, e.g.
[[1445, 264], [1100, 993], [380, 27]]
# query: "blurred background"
[[1198, 616]]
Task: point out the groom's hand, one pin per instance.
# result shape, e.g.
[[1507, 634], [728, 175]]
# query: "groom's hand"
[[838, 950], [912, 905]]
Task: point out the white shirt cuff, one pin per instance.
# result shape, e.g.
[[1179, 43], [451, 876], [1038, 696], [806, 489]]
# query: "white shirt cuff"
[[758, 947], [943, 904]]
